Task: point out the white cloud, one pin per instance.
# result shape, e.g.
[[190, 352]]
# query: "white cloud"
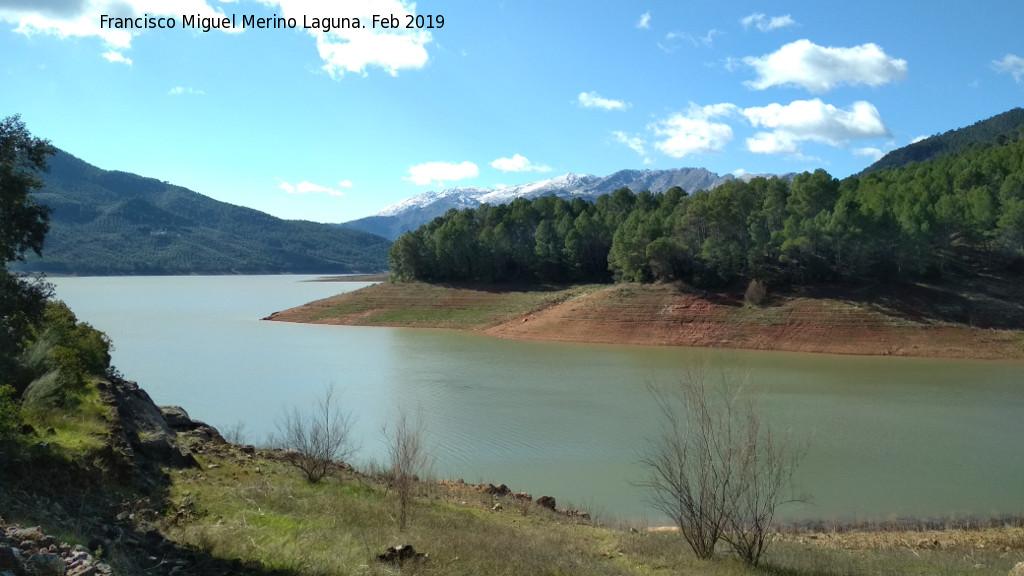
[[635, 143], [873, 153], [767, 24], [694, 132], [919, 138], [820, 69], [1010, 64], [81, 19], [115, 56], [351, 50], [343, 50], [811, 120], [437, 172], [706, 40], [306, 187], [594, 100], [343, 183], [772, 143], [178, 90], [518, 163], [645, 20]]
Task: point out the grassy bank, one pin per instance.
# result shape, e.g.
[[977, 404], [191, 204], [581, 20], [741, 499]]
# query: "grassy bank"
[[915, 321], [255, 507], [247, 511]]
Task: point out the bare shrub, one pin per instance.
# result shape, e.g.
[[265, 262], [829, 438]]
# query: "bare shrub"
[[717, 469], [407, 455], [317, 439], [756, 293]]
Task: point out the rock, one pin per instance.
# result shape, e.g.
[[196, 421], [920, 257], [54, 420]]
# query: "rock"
[[546, 502], [9, 561], [497, 508], [1017, 570], [499, 490], [45, 564], [400, 555], [177, 418]]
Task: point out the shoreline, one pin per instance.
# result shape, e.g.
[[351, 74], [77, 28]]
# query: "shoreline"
[[664, 315]]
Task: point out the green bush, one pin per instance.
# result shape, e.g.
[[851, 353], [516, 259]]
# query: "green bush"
[[10, 414]]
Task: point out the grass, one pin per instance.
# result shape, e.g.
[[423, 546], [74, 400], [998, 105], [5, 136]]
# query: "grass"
[[260, 508], [419, 304], [78, 432]]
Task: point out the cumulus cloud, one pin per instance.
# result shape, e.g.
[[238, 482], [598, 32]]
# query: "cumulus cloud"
[[874, 154], [765, 23], [1010, 64], [518, 163], [811, 120], [343, 50], [349, 50], [179, 90], [645, 20], [694, 131], [820, 69], [919, 138], [306, 187], [81, 18], [435, 173], [343, 183], [594, 100]]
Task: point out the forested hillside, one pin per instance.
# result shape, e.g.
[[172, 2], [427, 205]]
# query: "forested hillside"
[[109, 222], [999, 129], [909, 222]]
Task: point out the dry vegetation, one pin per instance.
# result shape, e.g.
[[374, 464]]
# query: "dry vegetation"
[[256, 507]]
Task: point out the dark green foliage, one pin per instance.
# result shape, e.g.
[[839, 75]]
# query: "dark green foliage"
[[10, 414], [61, 356], [107, 222], [901, 223], [999, 130], [23, 226]]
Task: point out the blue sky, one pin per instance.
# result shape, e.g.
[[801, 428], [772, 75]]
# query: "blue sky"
[[333, 126]]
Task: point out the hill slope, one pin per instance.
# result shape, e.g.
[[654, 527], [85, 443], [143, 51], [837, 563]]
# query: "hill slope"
[[999, 129], [109, 222]]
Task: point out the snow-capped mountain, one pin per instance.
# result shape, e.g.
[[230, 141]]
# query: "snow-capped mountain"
[[412, 213]]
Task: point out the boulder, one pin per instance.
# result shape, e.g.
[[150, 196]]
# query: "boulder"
[[46, 564], [546, 502], [177, 418], [9, 561], [1017, 570]]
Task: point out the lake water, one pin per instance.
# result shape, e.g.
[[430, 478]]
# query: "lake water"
[[889, 437]]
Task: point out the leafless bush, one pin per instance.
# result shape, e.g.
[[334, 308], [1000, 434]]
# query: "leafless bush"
[[717, 469], [316, 439], [756, 293], [407, 455]]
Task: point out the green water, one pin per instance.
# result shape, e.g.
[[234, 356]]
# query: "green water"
[[889, 437]]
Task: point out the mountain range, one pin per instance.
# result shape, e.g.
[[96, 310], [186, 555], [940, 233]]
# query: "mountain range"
[[411, 213], [107, 222]]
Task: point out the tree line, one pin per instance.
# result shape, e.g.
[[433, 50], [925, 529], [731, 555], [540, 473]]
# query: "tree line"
[[897, 223]]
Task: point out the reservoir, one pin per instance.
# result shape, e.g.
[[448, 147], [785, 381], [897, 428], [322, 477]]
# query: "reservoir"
[[888, 437]]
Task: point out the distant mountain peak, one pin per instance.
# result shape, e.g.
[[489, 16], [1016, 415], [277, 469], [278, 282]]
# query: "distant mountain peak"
[[413, 212]]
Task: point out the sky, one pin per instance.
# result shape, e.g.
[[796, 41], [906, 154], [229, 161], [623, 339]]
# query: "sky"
[[308, 117]]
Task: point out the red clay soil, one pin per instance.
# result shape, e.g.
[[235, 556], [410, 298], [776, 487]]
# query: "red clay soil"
[[662, 315]]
